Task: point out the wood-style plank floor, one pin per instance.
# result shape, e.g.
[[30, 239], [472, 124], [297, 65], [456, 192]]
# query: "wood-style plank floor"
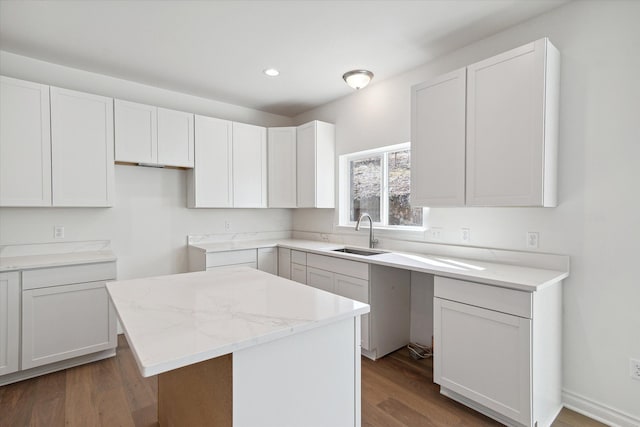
[[396, 392]]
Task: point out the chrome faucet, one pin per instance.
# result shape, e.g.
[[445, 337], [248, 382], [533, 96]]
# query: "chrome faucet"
[[372, 241]]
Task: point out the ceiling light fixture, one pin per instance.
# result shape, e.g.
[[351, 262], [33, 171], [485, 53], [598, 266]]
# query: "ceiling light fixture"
[[358, 79], [271, 72]]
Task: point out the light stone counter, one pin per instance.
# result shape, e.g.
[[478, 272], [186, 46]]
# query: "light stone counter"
[[177, 320], [492, 273]]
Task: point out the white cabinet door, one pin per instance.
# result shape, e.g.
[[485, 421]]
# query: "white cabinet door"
[[60, 322], [210, 184], [284, 263], [268, 260], [512, 127], [82, 148], [320, 279], [484, 355], [438, 141], [282, 167], [25, 144], [315, 153], [136, 132], [9, 322], [249, 166], [356, 289], [175, 138], [299, 273]]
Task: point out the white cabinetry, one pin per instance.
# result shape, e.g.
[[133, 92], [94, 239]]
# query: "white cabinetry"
[[282, 167], [511, 126], [315, 165], [299, 266], [82, 148], [249, 166], [244, 257], [268, 260], [25, 143], [210, 183], [9, 322], [66, 313], [517, 376], [438, 141], [150, 135], [284, 263]]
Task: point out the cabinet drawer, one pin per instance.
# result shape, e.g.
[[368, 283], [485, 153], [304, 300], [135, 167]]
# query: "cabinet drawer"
[[352, 287], [216, 259], [56, 276], [339, 265], [510, 301], [244, 264], [298, 257]]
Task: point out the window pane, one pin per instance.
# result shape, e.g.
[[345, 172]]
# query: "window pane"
[[400, 211], [365, 187]]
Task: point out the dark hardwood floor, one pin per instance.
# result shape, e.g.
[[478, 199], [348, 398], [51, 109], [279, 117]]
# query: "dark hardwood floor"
[[396, 392]]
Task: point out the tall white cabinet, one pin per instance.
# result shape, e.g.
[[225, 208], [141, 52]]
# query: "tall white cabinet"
[[438, 141], [9, 322], [249, 166], [505, 109], [281, 152], [152, 135], [25, 143], [210, 183], [315, 165], [81, 148]]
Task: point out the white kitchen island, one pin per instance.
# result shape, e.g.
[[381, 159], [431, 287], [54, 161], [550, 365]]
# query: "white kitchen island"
[[240, 347]]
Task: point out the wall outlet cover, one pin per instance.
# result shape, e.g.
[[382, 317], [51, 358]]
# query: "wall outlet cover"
[[58, 232], [465, 235], [634, 366], [533, 239]]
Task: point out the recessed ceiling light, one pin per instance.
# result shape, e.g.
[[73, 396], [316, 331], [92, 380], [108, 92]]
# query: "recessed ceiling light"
[[271, 72]]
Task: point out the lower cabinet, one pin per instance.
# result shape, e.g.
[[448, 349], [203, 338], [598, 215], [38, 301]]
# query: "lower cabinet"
[[9, 322], [61, 322], [58, 317], [264, 259], [299, 273], [487, 355], [284, 263]]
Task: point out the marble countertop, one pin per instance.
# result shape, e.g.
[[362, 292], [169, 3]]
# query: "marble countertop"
[[504, 275], [181, 319], [43, 255]]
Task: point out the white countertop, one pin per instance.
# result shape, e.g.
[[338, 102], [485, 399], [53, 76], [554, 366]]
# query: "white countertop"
[[177, 320], [27, 262], [504, 275]]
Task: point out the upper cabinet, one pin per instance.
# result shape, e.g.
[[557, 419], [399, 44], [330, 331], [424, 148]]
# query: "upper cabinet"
[[25, 143], [210, 183], [151, 135], [438, 141], [511, 130], [231, 165], [315, 165], [81, 149], [281, 165], [249, 166]]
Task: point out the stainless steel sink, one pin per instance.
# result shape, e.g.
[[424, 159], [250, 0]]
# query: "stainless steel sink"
[[358, 251]]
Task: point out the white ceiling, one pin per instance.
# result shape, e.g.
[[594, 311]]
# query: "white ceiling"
[[218, 49]]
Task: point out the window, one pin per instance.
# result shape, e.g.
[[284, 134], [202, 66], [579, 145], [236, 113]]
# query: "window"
[[378, 182]]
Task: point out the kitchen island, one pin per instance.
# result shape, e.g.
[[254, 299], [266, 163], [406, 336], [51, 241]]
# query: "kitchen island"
[[240, 347]]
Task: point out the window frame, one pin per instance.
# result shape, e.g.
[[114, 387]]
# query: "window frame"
[[344, 186]]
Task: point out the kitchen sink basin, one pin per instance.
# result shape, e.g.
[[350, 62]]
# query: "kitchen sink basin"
[[358, 251]]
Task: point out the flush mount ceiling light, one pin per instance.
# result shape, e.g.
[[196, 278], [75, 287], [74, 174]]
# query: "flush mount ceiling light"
[[358, 79], [271, 72]]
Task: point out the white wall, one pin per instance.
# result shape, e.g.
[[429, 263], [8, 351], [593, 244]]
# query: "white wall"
[[597, 221], [149, 223]]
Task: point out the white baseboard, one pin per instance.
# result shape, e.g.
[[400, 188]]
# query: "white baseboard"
[[603, 413]]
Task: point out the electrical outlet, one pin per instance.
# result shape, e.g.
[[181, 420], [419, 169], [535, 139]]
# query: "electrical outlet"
[[533, 237], [435, 233], [227, 226], [58, 232], [634, 369], [465, 235], [324, 237]]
